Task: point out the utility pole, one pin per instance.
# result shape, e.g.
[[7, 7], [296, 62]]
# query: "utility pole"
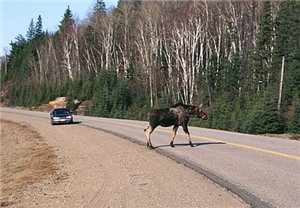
[[281, 83]]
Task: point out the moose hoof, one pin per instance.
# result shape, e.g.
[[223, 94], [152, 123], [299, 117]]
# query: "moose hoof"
[[171, 144], [191, 144], [149, 146]]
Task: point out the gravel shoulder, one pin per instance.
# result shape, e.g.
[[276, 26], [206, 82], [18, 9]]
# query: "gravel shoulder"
[[85, 167]]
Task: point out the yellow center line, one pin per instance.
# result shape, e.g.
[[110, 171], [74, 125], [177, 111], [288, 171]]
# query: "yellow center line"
[[217, 140], [251, 148]]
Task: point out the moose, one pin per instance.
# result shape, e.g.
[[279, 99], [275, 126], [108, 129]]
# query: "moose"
[[178, 115]]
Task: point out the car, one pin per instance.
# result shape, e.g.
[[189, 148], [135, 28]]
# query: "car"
[[61, 115]]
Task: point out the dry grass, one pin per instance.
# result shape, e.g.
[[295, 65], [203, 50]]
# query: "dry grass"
[[25, 160]]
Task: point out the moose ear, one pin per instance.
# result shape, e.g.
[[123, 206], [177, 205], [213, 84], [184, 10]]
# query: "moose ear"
[[201, 105]]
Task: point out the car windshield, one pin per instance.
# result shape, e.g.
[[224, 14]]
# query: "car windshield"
[[61, 111]]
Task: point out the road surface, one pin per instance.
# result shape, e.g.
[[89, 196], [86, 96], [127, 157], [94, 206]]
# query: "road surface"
[[263, 171]]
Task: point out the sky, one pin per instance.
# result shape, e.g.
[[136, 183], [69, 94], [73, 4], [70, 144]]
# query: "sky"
[[17, 14]]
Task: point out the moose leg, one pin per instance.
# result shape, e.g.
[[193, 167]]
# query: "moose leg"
[[175, 128], [185, 129], [148, 131]]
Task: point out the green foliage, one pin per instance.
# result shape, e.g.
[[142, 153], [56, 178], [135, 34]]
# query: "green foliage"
[[237, 112], [165, 101], [91, 34], [231, 85], [219, 113], [35, 31], [19, 60], [264, 117], [110, 97], [99, 7], [226, 114], [39, 27], [294, 123], [67, 22], [287, 45], [31, 30], [75, 88], [263, 50], [70, 104]]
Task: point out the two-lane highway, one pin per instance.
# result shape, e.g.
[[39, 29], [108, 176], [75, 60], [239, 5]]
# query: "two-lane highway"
[[263, 171]]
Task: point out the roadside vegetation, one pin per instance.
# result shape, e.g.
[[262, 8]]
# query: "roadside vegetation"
[[241, 59]]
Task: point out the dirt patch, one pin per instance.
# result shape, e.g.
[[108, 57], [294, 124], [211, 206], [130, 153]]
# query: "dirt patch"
[[25, 160], [59, 102]]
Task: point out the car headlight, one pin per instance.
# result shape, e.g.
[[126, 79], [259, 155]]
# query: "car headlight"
[[69, 117], [55, 118]]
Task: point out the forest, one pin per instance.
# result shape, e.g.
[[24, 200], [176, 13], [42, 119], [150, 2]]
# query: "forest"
[[241, 59]]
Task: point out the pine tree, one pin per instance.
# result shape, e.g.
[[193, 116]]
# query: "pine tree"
[[237, 115], [294, 123], [67, 20], [39, 27], [262, 53], [287, 45], [265, 117], [220, 113], [99, 7], [31, 31], [233, 77]]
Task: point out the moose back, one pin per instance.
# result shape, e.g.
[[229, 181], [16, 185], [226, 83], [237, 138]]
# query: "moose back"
[[177, 115]]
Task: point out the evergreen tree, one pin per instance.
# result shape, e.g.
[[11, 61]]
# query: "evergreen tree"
[[91, 35], [233, 77], [264, 117], [262, 54], [39, 27], [99, 7], [220, 113], [293, 67], [67, 20], [287, 45], [294, 123], [111, 97], [75, 88], [87, 90], [283, 31], [19, 60], [237, 117], [31, 31]]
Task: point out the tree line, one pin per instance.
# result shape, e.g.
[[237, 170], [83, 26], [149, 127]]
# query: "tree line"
[[241, 59]]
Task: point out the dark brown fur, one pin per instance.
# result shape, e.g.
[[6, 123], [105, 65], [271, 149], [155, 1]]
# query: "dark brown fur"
[[177, 115]]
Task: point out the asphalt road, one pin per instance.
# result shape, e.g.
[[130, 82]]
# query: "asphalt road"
[[263, 171]]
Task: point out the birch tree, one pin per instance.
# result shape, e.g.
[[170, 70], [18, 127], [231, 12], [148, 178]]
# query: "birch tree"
[[187, 38], [148, 46], [69, 45]]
